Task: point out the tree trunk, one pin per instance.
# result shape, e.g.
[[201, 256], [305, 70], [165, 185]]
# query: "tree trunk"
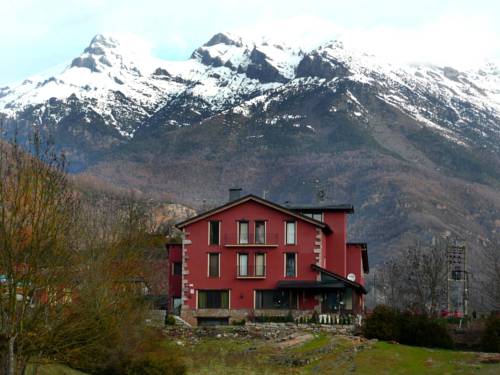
[[11, 359]]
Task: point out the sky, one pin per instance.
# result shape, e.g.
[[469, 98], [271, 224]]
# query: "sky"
[[39, 36]]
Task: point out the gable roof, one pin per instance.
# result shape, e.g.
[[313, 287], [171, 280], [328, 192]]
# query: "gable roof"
[[254, 198], [340, 278]]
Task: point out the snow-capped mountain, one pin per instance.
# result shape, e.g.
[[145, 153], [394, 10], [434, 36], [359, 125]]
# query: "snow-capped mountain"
[[415, 147], [119, 81]]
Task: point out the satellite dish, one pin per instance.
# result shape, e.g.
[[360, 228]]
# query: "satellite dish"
[[351, 277]]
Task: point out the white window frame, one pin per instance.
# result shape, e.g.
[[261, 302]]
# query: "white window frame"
[[255, 264], [286, 232], [208, 264], [238, 264], [255, 231], [209, 231], [238, 232], [284, 264]]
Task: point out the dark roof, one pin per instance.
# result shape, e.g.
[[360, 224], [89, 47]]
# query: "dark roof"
[[306, 284], [364, 254], [340, 278], [322, 207], [254, 198]]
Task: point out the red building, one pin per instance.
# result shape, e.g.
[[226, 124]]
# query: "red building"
[[255, 257]]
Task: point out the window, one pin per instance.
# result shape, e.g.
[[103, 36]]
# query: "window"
[[213, 299], [260, 232], [260, 264], [177, 268], [275, 299], [290, 264], [242, 264], [314, 215], [290, 233], [213, 264], [214, 232], [243, 232]]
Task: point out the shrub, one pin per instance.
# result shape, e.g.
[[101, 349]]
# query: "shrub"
[[150, 364], [419, 330], [382, 324], [169, 320], [490, 339], [241, 322]]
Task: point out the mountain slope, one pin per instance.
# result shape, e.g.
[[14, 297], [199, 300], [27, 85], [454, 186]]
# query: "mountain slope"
[[415, 148]]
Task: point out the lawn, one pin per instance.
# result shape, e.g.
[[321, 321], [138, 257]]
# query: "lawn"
[[310, 353], [324, 354]]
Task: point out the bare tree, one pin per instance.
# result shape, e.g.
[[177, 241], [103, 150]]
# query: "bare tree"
[[489, 277], [415, 279], [37, 212], [71, 270]]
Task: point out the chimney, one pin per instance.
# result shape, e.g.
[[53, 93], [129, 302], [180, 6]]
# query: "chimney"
[[234, 193]]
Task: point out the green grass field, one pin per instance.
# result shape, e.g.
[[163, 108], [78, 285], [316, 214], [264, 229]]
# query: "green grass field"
[[324, 354], [314, 354]]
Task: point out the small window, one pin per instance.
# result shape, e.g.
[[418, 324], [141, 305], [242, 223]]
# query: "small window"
[[317, 216], [243, 232], [242, 264], [213, 299], [290, 264], [260, 264], [290, 232], [260, 232], [214, 229], [177, 268], [213, 265]]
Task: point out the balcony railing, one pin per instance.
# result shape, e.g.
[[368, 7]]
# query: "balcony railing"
[[267, 240], [250, 272]]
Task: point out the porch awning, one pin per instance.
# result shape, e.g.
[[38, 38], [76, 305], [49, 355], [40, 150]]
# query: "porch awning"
[[298, 284]]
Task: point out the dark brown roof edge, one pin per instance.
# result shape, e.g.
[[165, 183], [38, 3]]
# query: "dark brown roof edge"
[[236, 202], [348, 208], [341, 278]]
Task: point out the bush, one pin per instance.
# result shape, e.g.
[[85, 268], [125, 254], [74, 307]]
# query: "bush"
[[382, 324], [274, 318], [241, 322], [389, 324], [150, 364], [490, 340], [169, 320]]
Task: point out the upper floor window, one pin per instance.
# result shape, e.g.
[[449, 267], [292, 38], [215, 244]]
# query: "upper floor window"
[[290, 232], [314, 215], [260, 264], [214, 232], [243, 232], [260, 232], [213, 264], [242, 264], [290, 264]]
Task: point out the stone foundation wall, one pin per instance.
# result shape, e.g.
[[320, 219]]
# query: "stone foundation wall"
[[237, 315]]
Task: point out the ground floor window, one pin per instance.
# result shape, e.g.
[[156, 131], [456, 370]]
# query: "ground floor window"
[[275, 299], [213, 299]]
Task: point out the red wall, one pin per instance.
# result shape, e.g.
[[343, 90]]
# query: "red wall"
[[242, 290], [174, 281], [354, 262], [336, 242]]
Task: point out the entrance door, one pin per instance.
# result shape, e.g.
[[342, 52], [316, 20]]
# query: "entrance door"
[[330, 302]]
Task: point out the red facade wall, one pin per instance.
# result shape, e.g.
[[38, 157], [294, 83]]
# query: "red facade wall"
[[336, 242], [174, 281], [242, 290], [354, 262]]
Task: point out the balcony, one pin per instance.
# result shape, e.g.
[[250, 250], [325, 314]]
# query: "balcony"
[[251, 272], [232, 240]]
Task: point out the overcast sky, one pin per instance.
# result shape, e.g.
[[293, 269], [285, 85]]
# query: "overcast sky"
[[38, 35]]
